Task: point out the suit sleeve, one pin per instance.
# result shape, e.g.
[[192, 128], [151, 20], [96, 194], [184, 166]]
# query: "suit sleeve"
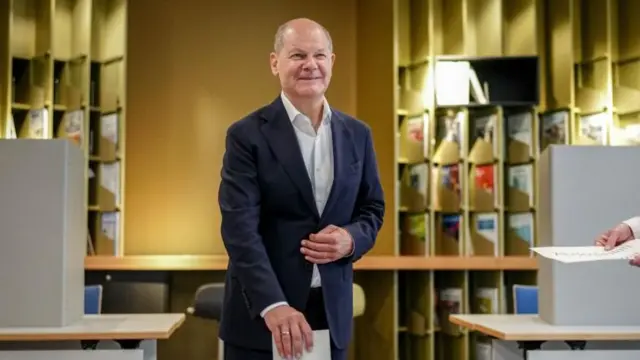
[[239, 200], [370, 206]]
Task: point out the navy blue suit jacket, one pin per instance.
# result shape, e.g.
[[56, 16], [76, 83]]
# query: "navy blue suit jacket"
[[268, 208]]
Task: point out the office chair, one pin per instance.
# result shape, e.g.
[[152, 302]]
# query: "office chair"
[[207, 304], [92, 299], [525, 299], [92, 306]]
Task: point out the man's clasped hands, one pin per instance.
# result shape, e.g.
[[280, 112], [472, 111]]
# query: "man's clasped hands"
[[291, 331]]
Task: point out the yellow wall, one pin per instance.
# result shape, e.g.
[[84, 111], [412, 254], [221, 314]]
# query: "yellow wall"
[[192, 71]]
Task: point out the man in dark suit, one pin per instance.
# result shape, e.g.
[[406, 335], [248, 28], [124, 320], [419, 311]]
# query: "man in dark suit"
[[301, 201]]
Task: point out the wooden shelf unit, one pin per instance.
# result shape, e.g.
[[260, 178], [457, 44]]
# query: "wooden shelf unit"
[[451, 148], [372, 263], [62, 75], [594, 67], [567, 69]]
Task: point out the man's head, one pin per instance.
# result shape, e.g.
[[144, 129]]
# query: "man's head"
[[303, 58]]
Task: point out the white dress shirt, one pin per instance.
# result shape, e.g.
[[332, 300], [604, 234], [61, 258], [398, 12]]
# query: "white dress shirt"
[[634, 224], [317, 153]]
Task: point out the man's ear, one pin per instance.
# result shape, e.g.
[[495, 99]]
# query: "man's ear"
[[273, 61]]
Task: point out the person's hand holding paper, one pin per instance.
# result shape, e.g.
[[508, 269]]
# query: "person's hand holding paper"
[[611, 238], [573, 254], [616, 236]]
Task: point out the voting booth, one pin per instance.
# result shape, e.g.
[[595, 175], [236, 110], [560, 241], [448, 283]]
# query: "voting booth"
[[586, 310], [44, 232], [42, 252], [585, 190]]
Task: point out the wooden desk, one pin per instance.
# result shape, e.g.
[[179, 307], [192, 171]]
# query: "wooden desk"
[[95, 337], [531, 328], [523, 336]]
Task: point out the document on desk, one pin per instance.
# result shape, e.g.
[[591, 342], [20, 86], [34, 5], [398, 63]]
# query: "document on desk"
[[321, 347], [574, 254]]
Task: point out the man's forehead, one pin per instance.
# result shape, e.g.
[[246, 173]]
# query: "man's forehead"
[[305, 43], [313, 35], [306, 48]]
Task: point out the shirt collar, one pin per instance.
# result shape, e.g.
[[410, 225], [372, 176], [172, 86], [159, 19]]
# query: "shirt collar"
[[292, 112]]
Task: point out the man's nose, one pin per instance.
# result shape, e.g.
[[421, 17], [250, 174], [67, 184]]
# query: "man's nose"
[[310, 64]]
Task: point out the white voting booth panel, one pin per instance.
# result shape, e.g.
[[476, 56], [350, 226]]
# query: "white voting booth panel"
[[583, 191], [44, 232], [42, 254]]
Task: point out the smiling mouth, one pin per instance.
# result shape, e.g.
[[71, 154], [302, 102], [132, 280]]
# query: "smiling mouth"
[[309, 78]]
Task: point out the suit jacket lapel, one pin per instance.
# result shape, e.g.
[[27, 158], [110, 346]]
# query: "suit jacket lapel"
[[282, 140], [343, 157]]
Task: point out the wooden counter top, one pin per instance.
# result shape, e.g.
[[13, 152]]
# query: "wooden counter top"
[[102, 327], [532, 328], [219, 262]]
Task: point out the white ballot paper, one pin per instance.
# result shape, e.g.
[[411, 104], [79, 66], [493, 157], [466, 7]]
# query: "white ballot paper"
[[573, 254], [321, 347]]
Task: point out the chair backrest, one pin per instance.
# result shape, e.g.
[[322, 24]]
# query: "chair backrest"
[[359, 301], [207, 302], [525, 299], [92, 299]]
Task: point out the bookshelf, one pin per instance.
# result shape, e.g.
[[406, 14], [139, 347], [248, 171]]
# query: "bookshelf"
[[470, 75], [565, 70], [63, 76]]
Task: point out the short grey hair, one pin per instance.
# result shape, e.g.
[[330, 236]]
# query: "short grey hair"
[[278, 43]]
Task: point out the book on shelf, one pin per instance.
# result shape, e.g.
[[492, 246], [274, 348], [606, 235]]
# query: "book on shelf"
[[625, 135], [446, 188], [450, 302], [90, 248], [486, 300], [414, 187], [37, 124], [520, 234], [520, 145], [72, 126], [483, 192], [456, 83], [413, 132], [520, 182], [554, 128], [485, 147], [593, 129], [483, 234], [452, 82], [109, 144], [414, 239], [449, 234], [10, 129], [108, 239], [450, 137], [109, 194]]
